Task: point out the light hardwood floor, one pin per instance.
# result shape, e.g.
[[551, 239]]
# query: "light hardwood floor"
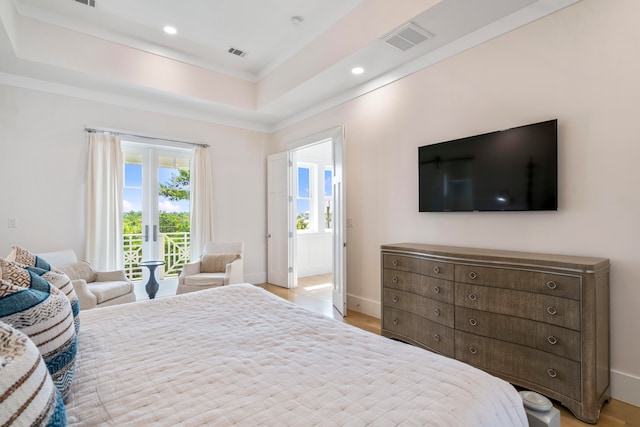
[[314, 293]]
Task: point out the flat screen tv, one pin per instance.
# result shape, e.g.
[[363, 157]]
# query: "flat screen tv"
[[508, 170]]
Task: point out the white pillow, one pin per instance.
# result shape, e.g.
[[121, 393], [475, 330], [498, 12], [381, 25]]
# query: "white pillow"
[[29, 395]]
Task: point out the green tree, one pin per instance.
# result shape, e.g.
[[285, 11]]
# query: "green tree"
[[302, 222], [174, 222], [178, 186], [132, 222]]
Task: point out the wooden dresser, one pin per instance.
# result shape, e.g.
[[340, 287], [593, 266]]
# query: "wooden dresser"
[[536, 320]]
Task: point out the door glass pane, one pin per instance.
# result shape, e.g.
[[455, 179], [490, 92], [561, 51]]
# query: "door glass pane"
[[132, 214], [328, 197], [173, 211]]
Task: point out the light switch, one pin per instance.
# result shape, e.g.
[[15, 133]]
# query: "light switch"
[[349, 222], [12, 223]]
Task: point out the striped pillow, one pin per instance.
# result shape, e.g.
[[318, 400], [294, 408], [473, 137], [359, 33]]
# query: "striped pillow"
[[27, 394], [56, 277], [42, 312], [61, 281], [25, 257]]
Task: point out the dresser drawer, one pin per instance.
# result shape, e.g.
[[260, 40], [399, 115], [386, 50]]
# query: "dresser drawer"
[[438, 269], [415, 329], [562, 312], [542, 336], [436, 311], [516, 361], [438, 289], [531, 281]]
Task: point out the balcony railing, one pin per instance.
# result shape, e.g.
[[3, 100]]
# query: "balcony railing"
[[174, 251]]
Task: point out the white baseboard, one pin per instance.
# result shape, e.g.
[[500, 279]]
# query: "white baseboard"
[[362, 305], [625, 387]]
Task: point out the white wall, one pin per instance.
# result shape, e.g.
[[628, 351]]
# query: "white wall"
[[579, 65], [43, 152]]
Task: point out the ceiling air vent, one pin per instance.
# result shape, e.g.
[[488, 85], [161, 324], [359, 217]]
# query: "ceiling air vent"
[[91, 3], [237, 52], [407, 37]]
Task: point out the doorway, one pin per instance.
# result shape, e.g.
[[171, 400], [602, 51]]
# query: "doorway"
[[305, 210], [156, 208], [313, 204]]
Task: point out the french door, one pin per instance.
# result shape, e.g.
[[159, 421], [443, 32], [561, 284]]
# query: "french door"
[[156, 208]]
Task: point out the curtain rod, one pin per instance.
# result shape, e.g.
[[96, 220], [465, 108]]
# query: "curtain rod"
[[94, 130]]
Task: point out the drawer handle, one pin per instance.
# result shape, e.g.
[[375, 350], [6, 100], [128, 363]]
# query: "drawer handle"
[[473, 297], [395, 279], [552, 311], [395, 299], [436, 289], [395, 321], [552, 372], [436, 337], [473, 322], [552, 340], [473, 350], [551, 284], [473, 275], [436, 312], [394, 262], [436, 270]]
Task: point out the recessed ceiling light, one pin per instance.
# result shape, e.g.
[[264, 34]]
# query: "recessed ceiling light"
[[170, 30], [357, 70]]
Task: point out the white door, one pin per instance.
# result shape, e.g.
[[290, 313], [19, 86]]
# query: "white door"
[[339, 224], [156, 208], [279, 231]]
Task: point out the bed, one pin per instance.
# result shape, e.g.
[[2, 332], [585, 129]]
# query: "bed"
[[238, 355]]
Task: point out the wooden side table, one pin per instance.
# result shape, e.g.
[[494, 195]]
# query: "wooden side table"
[[152, 284]]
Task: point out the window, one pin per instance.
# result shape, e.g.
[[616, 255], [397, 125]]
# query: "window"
[[304, 199], [314, 198]]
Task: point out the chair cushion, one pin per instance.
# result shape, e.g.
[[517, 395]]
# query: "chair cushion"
[[80, 270], [29, 396], [216, 263], [205, 279], [104, 291], [42, 312]]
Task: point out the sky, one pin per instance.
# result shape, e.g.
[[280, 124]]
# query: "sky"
[[304, 190], [132, 193]]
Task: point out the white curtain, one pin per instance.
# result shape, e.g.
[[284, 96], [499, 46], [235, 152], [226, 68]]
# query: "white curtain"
[[103, 203], [201, 201]]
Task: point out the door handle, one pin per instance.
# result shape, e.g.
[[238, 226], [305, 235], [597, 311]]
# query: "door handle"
[[146, 233], [155, 233]]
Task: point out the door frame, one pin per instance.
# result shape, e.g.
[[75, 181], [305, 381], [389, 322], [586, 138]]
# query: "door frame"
[[339, 248]]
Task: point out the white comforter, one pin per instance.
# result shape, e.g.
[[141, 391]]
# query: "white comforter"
[[240, 355]]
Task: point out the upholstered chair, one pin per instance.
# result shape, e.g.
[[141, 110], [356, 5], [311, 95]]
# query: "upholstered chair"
[[221, 264], [94, 288]]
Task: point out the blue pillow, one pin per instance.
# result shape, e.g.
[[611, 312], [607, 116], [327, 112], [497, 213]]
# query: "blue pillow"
[[29, 396], [54, 276], [61, 281]]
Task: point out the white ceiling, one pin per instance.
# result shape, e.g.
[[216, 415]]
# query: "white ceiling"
[[206, 28], [291, 70]]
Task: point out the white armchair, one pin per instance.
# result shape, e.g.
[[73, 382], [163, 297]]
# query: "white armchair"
[[94, 288], [221, 264]]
